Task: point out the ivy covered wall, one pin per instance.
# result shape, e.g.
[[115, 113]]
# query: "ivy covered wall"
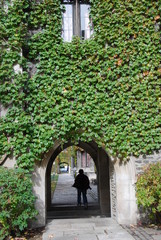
[[106, 89]]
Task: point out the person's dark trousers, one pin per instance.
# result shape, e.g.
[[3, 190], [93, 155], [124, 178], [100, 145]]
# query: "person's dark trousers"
[[84, 193]]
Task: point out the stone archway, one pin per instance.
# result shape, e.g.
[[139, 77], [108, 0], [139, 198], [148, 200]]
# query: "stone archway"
[[116, 184], [101, 161], [42, 184]]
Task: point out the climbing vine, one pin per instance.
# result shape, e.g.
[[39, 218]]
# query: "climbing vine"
[[106, 89]]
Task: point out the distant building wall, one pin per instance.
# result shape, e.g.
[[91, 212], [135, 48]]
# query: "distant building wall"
[[85, 161]]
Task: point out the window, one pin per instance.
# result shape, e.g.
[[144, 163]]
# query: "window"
[[76, 19]]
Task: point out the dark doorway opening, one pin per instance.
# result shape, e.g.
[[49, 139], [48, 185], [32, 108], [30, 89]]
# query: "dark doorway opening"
[[99, 197]]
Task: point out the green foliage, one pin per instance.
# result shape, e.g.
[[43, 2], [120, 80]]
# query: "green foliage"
[[148, 191], [105, 89], [16, 201]]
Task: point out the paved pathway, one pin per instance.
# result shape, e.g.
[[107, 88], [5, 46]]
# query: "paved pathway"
[[94, 228], [65, 194]]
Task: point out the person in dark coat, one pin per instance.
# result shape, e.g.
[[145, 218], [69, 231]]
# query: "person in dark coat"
[[82, 184]]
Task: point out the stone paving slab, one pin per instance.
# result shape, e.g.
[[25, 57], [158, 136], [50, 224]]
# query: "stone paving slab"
[[155, 233], [143, 233], [157, 237], [94, 228]]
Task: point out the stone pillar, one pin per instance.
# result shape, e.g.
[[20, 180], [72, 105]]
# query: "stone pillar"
[[38, 179], [103, 181], [125, 192]]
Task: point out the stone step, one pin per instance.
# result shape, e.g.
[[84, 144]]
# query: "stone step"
[[63, 212]]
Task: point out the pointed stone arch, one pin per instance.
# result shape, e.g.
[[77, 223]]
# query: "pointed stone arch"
[[116, 183], [42, 182]]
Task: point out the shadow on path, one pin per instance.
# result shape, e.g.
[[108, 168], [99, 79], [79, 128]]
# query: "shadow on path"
[[64, 201]]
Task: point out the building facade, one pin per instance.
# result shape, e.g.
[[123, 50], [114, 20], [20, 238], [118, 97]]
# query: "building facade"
[[66, 82]]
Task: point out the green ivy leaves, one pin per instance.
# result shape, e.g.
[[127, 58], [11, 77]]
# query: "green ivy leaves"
[[105, 89]]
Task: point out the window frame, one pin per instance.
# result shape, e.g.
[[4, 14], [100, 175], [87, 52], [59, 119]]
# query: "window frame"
[[76, 14]]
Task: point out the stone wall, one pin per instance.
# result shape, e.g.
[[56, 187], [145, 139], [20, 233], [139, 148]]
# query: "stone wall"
[[143, 160]]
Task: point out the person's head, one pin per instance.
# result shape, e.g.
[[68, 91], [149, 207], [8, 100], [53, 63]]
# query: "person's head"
[[81, 171]]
